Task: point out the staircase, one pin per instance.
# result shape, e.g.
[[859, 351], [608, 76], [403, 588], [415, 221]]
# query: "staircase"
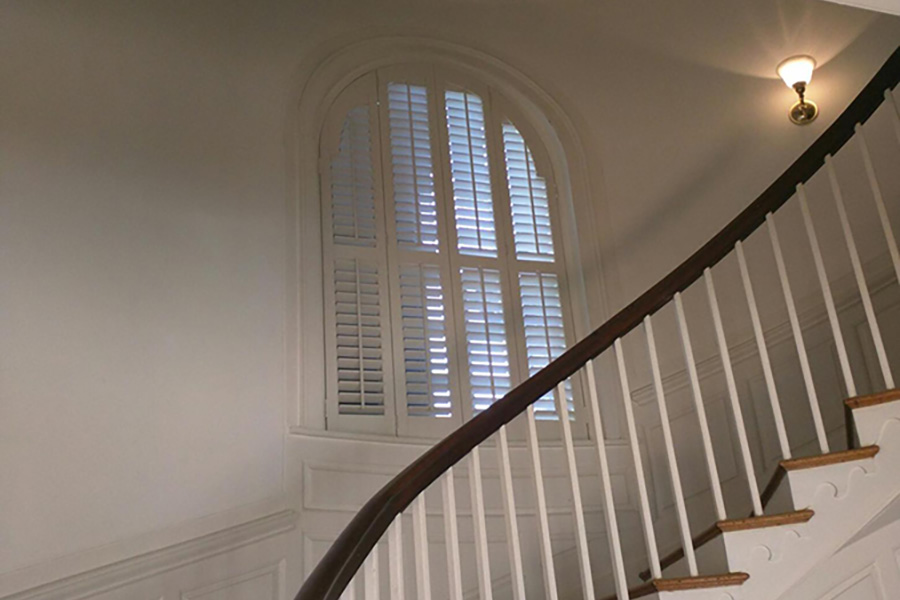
[[817, 503], [811, 507]]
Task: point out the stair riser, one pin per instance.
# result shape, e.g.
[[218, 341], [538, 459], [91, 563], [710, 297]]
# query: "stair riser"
[[870, 421]]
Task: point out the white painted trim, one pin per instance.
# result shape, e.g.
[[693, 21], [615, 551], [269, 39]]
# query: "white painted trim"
[[426, 443], [130, 570]]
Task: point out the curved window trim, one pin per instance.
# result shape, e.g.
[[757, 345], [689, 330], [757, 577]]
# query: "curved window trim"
[[533, 110]]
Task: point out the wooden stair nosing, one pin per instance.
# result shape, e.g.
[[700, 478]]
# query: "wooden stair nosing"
[[760, 522], [675, 584], [873, 399], [832, 458]]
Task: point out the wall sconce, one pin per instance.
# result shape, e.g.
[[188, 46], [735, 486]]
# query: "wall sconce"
[[796, 72]]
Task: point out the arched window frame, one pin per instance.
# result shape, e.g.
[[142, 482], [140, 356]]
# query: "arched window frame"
[[527, 106]]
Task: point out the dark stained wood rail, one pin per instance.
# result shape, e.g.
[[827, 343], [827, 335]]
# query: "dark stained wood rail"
[[346, 555]]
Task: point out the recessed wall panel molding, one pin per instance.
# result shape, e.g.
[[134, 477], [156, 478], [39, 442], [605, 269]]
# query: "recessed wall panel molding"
[[865, 585], [259, 584], [170, 570]]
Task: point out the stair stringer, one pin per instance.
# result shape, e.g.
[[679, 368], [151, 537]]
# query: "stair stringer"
[[844, 498]]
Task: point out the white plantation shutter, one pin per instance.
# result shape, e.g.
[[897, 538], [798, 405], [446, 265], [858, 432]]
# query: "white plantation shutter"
[[358, 337], [356, 277], [486, 344], [415, 205], [545, 335], [529, 204], [434, 311], [425, 348], [470, 174], [353, 183]]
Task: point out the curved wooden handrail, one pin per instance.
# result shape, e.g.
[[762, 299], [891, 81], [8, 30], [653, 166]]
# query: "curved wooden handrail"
[[346, 555]]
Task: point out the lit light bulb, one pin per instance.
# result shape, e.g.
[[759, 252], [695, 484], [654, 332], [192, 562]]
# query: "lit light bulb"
[[796, 72], [796, 69]]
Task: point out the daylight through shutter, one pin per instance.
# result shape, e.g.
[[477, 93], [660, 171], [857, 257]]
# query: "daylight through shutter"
[[415, 204], [528, 200], [425, 351], [438, 300], [486, 345], [545, 336], [470, 174]]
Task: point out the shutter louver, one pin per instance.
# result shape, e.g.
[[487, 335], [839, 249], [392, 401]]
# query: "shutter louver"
[[470, 174], [529, 204], [486, 344], [425, 347], [360, 368], [415, 204], [353, 183], [545, 336]]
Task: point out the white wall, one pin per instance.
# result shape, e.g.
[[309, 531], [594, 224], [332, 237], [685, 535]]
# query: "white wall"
[[145, 183]]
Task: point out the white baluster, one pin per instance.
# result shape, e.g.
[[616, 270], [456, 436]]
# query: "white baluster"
[[581, 543], [879, 200], [541, 509], [763, 353], [372, 584], [451, 535], [733, 395], [395, 558], [711, 468], [479, 524], [860, 276], [513, 543], [798, 336], [680, 508], [646, 518], [350, 591], [609, 507], [420, 543], [895, 113], [843, 359]]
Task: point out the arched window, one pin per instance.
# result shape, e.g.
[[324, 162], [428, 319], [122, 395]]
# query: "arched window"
[[445, 281]]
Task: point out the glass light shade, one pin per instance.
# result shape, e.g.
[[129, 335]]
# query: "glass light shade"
[[796, 69]]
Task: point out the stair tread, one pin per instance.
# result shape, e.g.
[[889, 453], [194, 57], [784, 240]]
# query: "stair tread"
[[873, 399], [673, 584], [789, 518], [832, 458]]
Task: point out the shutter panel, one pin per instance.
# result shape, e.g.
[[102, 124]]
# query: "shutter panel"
[[486, 342], [529, 205], [353, 183], [415, 204], [425, 347], [358, 337], [545, 336], [470, 174]]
